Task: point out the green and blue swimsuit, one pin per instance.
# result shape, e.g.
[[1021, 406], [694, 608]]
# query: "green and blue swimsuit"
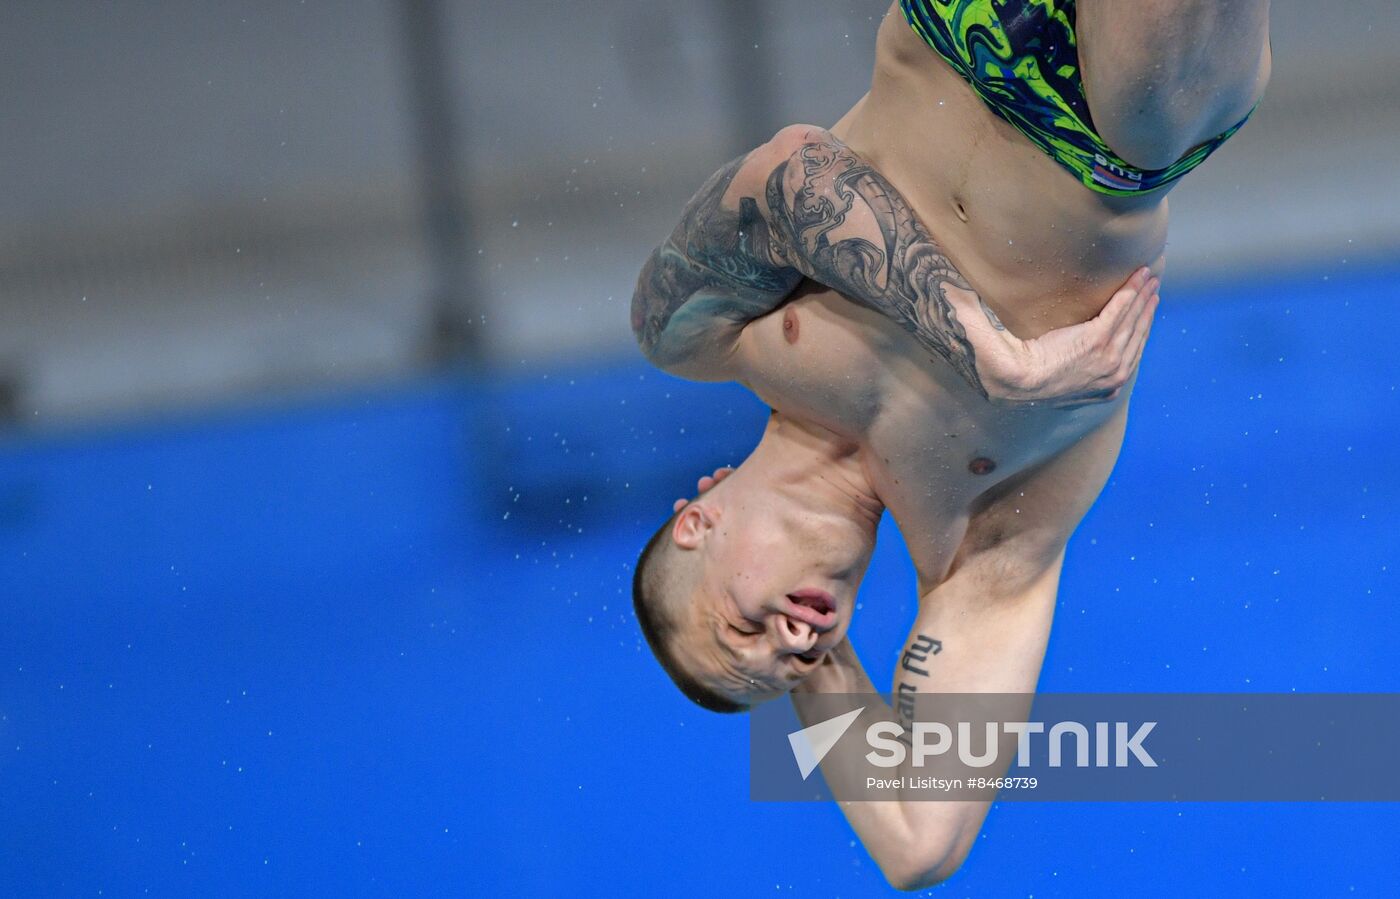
[[1021, 58]]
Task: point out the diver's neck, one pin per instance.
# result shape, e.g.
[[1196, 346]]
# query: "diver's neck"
[[817, 468]]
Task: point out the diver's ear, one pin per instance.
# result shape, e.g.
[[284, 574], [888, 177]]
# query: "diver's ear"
[[692, 525]]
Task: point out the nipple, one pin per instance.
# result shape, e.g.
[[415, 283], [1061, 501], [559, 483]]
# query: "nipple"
[[790, 328], [981, 465]]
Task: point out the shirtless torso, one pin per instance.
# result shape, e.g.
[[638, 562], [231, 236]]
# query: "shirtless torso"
[[985, 494], [1040, 248]]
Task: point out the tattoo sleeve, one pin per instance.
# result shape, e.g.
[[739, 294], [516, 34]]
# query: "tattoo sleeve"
[[715, 272], [891, 264], [825, 214]]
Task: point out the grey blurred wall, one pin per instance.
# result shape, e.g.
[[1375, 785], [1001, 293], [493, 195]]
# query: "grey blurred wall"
[[205, 201]]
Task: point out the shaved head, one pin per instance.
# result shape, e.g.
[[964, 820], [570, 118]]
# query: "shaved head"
[[663, 578]]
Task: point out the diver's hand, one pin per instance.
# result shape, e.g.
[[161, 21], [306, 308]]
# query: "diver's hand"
[[839, 672], [705, 483], [1074, 366]]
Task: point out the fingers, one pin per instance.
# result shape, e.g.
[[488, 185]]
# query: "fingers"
[[1119, 308], [1131, 298], [1115, 350], [1104, 339], [1139, 312], [1141, 333], [1123, 347], [1142, 323], [708, 481], [1149, 312], [1090, 362], [1125, 359], [705, 483]]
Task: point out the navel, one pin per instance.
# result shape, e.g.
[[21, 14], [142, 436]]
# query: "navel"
[[790, 328], [960, 210]]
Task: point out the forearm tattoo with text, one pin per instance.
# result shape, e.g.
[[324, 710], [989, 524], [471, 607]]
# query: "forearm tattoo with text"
[[914, 663]]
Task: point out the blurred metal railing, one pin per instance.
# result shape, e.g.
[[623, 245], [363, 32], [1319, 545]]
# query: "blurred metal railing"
[[456, 334]]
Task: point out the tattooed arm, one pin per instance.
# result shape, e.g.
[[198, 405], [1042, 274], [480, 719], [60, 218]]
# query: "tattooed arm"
[[982, 630], [805, 205], [840, 222], [713, 275]]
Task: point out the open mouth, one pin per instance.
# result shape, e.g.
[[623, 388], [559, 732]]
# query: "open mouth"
[[815, 607]]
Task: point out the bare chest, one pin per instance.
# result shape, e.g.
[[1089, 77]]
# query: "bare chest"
[[931, 446], [938, 458]]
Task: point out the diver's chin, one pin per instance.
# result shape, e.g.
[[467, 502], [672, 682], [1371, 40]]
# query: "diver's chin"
[[759, 699]]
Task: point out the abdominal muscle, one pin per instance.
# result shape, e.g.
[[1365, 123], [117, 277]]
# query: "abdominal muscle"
[[1040, 248]]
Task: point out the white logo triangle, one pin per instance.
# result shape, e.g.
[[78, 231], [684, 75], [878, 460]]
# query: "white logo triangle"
[[811, 744]]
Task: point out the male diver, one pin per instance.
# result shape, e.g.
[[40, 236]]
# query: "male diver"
[[935, 349]]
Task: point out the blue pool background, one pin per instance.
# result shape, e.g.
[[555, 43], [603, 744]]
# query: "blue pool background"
[[381, 643]]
